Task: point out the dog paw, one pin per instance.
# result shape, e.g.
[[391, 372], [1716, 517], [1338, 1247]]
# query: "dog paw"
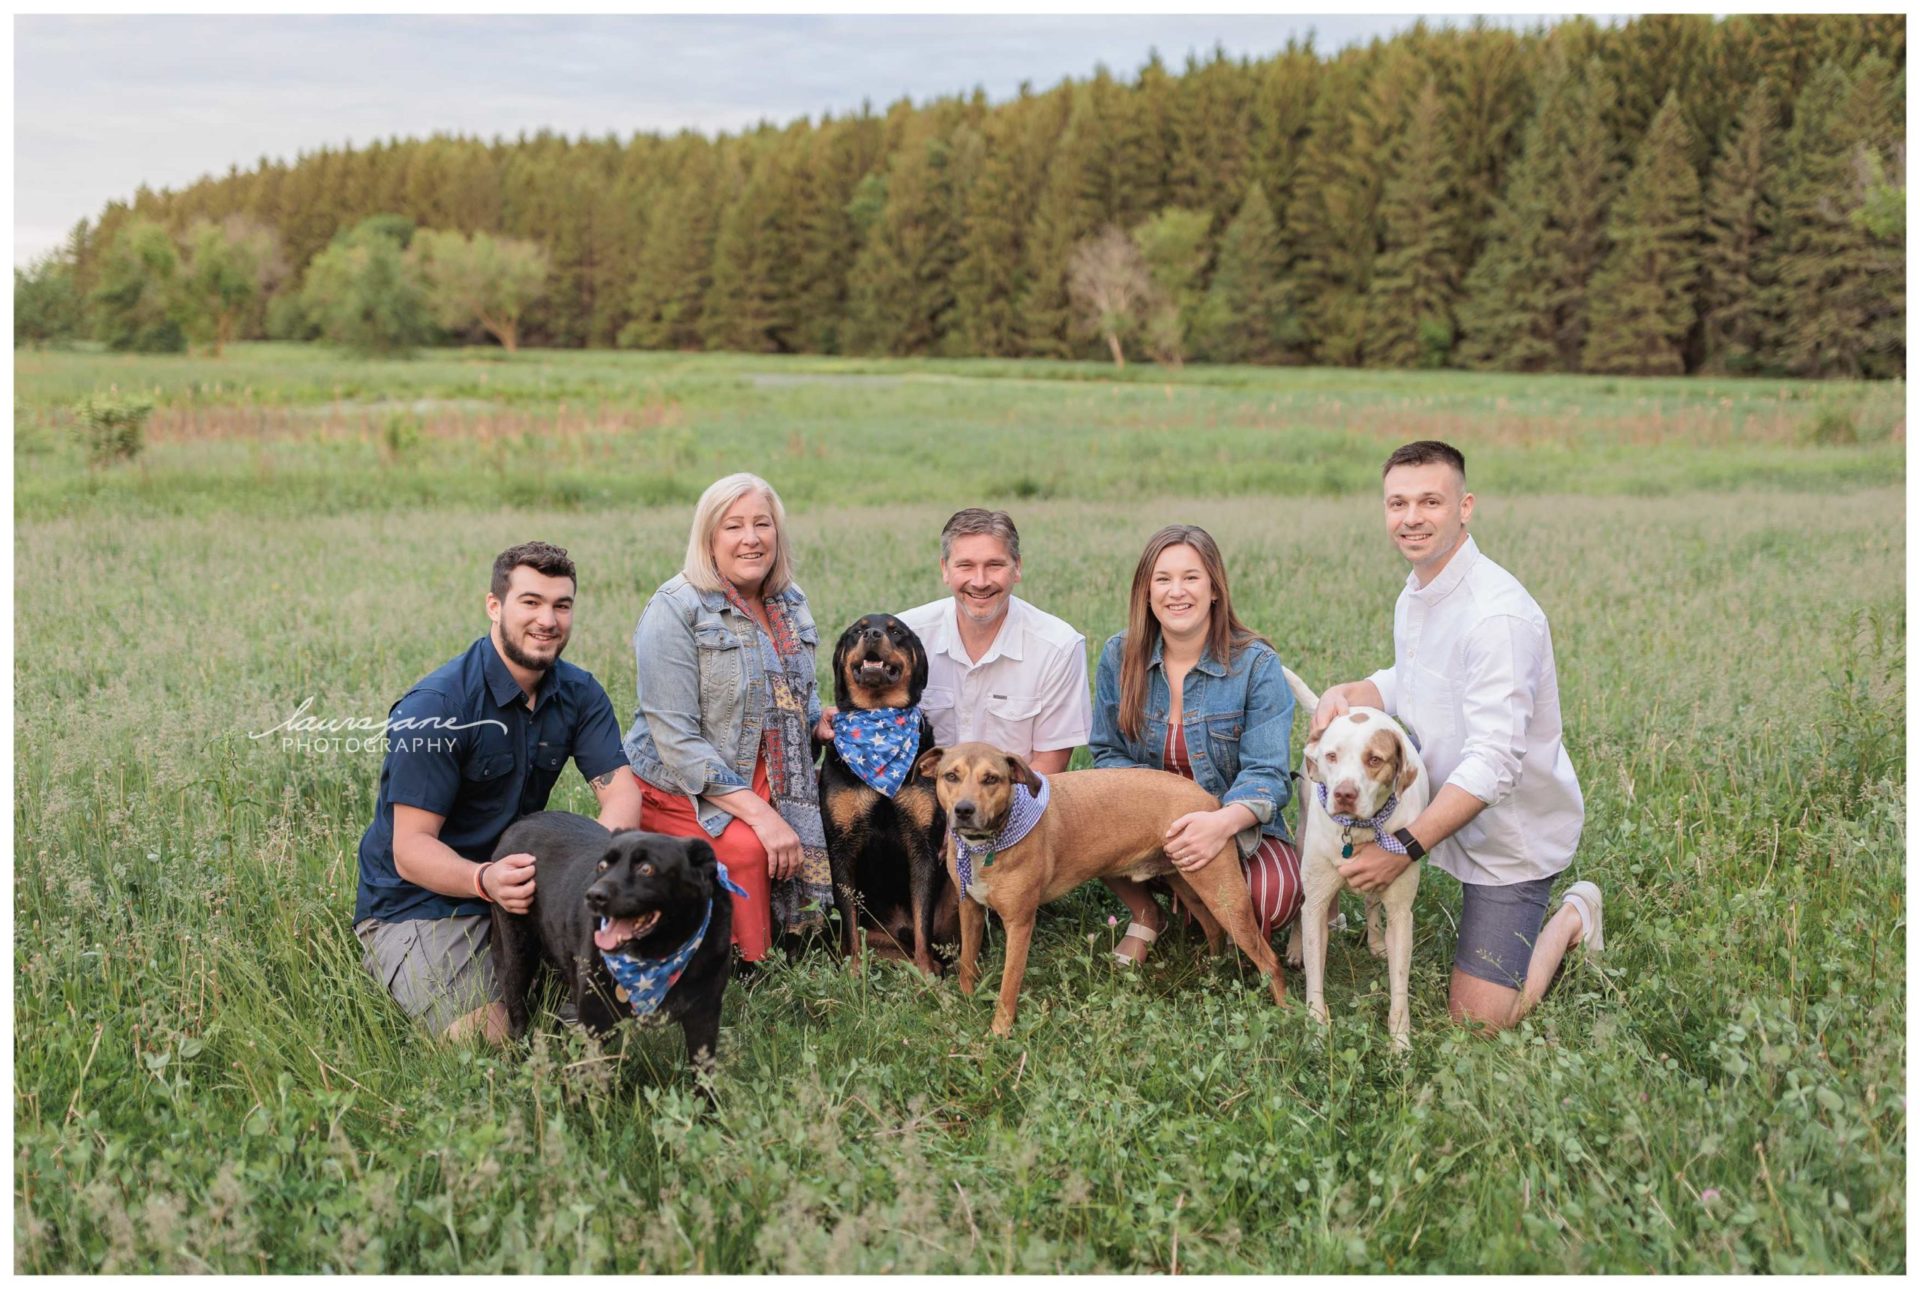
[[1296, 959], [1378, 948], [1319, 1012]]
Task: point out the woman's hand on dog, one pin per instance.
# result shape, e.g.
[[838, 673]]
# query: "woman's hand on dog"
[[781, 841], [823, 732], [509, 880], [1194, 839]]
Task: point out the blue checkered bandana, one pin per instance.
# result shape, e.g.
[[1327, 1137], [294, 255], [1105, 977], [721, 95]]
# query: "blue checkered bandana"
[[878, 744], [1384, 839], [642, 983], [1026, 812]]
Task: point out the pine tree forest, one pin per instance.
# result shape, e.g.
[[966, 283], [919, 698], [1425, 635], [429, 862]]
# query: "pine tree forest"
[[1667, 195]]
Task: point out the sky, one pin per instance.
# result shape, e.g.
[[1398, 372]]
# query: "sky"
[[103, 104]]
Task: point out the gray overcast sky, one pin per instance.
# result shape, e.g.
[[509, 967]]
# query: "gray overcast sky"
[[104, 104]]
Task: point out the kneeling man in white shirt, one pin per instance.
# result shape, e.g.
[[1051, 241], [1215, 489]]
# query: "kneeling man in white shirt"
[[1473, 679], [999, 670]]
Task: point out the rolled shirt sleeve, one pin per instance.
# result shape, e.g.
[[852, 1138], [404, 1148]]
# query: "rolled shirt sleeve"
[[1266, 739], [1502, 656], [596, 737], [667, 679], [1383, 681], [422, 771], [1066, 708]]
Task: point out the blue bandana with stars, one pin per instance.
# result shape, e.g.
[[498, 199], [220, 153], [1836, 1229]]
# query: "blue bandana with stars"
[[642, 983], [878, 744]]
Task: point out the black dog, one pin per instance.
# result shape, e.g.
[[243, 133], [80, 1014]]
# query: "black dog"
[[652, 890], [885, 852]]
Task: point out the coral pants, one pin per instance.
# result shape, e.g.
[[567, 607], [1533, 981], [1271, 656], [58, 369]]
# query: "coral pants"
[[738, 847]]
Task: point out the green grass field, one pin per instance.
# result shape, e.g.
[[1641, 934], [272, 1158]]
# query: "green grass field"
[[206, 1080]]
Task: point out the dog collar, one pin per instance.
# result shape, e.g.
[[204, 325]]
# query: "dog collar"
[[1027, 809], [1384, 839], [642, 983], [878, 744]]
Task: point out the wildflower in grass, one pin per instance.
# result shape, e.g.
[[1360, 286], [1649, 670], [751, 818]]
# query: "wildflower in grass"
[[1112, 920], [1709, 1195]]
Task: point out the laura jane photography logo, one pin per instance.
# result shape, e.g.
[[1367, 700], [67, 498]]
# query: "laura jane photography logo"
[[309, 734]]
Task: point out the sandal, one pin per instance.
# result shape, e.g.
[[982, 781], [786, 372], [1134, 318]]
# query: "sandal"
[[1145, 934], [1585, 898]]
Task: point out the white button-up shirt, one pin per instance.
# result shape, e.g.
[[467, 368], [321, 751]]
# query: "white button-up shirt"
[[1028, 693], [1473, 677]]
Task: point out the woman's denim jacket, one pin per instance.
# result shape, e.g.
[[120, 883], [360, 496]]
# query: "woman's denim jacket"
[[1238, 722], [703, 693]]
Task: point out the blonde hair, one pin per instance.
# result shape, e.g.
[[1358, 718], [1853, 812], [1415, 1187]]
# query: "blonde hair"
[[700, 569]]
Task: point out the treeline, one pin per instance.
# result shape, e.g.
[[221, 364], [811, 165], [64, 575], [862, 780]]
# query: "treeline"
[[1673, 194]]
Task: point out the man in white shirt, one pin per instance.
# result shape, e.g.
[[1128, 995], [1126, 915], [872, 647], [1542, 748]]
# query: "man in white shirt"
[[1473, 679], [999, 670]]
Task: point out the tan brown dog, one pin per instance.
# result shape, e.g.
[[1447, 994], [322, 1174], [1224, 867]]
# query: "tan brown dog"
[[1098, 823]]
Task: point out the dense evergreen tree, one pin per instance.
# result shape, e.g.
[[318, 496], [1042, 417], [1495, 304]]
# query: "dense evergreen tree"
[[1643, 295], [1411, 302], [1843, 303], [1736, 290], [1526, 298], [1247, 316]]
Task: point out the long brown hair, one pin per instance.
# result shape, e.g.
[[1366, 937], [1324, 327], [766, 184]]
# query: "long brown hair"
[[1226, 634]]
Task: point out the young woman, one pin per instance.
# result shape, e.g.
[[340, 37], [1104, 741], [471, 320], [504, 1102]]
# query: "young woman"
[[728, 704], [1187, 687]]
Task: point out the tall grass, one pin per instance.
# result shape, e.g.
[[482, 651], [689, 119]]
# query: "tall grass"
[[206, 1080]]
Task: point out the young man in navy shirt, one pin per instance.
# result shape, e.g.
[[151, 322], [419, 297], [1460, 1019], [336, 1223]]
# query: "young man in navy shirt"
[[473, 747]]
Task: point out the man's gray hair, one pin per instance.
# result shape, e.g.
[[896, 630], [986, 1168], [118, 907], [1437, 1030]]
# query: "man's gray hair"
[[977, 522]]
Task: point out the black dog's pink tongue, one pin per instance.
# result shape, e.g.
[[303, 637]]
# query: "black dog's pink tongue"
[[615, 932]]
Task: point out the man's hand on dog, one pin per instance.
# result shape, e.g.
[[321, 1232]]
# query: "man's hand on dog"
[[1196, 838], [1373, 868], [1333, 705], [509, 880]]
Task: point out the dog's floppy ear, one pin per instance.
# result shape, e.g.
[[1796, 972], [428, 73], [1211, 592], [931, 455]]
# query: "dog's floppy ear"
[[1310, 760], [1023, 773], [702, 864], [841, 697], [1411, 765], [918, 681], [929, 763]]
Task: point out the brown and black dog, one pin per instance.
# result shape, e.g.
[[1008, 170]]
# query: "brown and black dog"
[[1098, 823], [885, 851]]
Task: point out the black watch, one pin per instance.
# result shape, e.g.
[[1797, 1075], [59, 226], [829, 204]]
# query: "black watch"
[[1414, 849]]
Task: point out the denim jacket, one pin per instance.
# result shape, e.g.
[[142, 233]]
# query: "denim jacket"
[[1238, 724], [703, 693]]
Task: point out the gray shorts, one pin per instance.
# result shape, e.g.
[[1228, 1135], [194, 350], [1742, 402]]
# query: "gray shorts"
[[1498, 926], [437, 969]]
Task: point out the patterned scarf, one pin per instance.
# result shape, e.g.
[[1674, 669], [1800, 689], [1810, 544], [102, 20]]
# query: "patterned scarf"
[[878, 744], [1026, 812], [799, 902], [1387, 841], [642, 983]]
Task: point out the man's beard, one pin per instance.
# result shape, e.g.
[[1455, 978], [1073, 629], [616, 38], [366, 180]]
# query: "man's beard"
[[520, 658]]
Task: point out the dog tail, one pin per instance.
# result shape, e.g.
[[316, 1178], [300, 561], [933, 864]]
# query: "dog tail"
[[1305, 697]]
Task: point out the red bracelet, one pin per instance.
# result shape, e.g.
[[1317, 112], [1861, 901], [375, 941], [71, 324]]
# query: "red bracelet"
[[479, 884]]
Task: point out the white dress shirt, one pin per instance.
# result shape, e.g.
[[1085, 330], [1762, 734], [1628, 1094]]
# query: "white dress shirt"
[[1028, 693], [1473, 678]]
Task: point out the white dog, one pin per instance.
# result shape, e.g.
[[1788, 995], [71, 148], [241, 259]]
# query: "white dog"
[[1365, 780]]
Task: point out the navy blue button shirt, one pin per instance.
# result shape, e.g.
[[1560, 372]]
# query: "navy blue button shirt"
[[463, 745]]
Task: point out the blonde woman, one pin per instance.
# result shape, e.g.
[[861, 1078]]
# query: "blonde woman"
[[721, 742]]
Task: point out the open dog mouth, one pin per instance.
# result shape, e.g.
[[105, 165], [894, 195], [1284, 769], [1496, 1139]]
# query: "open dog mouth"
[[614, 932], [876, 671]]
